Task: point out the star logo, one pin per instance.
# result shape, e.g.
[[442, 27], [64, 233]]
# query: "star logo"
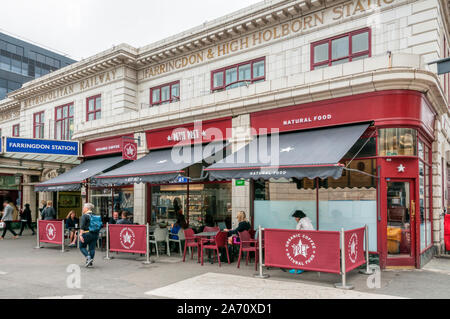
[[287, 149], [51, 231], [300, 249], [353, 248], [127, 238], [401, 168]]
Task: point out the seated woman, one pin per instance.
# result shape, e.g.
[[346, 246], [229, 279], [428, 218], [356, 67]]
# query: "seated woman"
[[179, 224], [242, 226], [71, 223]]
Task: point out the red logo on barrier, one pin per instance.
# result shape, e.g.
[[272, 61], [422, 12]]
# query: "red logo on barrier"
[[353, 248], [300, 249], [50, 230], [127, 238]]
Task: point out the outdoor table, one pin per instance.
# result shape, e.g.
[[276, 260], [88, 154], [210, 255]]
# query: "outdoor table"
[[207, 235]]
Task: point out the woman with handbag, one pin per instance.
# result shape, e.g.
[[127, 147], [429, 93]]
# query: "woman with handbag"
[[25, 219], [7, 219]]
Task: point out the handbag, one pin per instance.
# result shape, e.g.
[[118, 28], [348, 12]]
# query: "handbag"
[[2, 225]]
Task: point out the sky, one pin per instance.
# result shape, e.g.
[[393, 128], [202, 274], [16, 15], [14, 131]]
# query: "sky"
[[82, 28]]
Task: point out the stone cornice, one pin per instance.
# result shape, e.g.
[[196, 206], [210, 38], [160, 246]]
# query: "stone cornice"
[[120, 55], [240, 22]]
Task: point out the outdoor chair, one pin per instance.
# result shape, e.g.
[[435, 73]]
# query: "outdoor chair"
[[248, 245], [181, 237], [160, 235], [190, 241], [219, 241], [208, 229]]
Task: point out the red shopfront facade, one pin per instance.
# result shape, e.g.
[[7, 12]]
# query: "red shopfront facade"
[[117, 198], [201, 201], [388, 184]]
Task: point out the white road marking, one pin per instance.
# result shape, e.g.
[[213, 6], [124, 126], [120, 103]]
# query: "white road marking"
[[3, 273], [64, 297], [223, 286]]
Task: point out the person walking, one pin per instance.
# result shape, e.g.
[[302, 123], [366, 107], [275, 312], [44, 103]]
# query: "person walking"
[[90, 226], [48, 213], [25, 220], [7, 218]]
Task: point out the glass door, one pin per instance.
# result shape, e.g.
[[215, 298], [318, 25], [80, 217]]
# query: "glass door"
[[401, 211]]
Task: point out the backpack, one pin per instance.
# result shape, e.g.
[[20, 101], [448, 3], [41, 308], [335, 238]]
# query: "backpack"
[[95, 223]]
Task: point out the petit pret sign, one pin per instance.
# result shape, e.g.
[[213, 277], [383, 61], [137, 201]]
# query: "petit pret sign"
[[191, 133], [35, 146]]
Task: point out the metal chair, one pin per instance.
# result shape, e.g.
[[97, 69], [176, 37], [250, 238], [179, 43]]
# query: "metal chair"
[[160, 235]]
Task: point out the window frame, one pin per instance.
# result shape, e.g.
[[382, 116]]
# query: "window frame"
[[224, 69], [96, 110], [39, 124], [350, 55], [14, 127], [64, 130], [171, 97]]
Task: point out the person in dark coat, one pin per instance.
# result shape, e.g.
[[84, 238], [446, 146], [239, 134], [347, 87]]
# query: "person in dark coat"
[[242, 226], [49, 212], [25, 219]]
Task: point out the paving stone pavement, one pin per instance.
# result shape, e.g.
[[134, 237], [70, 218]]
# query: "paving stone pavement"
[[26, 272]]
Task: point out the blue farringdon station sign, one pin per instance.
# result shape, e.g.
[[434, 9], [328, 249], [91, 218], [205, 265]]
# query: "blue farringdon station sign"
[[34, 146]]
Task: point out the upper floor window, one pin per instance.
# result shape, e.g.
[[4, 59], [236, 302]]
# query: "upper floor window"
[[347, 47], [238, 75], [16, 130], [38, 125], [94, 108], [164, 94], [64, 122]]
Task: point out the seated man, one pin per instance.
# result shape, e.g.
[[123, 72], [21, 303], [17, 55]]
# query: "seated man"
[[115, 218], [124, 220]]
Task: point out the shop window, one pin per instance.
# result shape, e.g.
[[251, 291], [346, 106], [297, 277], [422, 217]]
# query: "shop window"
[[16, 130], [344, 48], [397, 141], [165, 94], [94, 108], [107, 201], [64, 124], [424, 196], [38, 125], [238, 75], [366, 146], [202, 204]]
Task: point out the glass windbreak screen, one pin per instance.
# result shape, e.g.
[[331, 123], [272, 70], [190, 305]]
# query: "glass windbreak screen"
[[398, 219], [351, 201], [278, 200], [397, 141]]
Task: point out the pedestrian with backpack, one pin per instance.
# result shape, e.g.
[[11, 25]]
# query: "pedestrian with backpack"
[[90, 226]]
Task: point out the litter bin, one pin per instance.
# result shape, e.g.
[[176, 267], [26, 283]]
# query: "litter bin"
[[394, 236]]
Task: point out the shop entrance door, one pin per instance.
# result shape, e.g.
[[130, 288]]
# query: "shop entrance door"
[[400, 226]]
